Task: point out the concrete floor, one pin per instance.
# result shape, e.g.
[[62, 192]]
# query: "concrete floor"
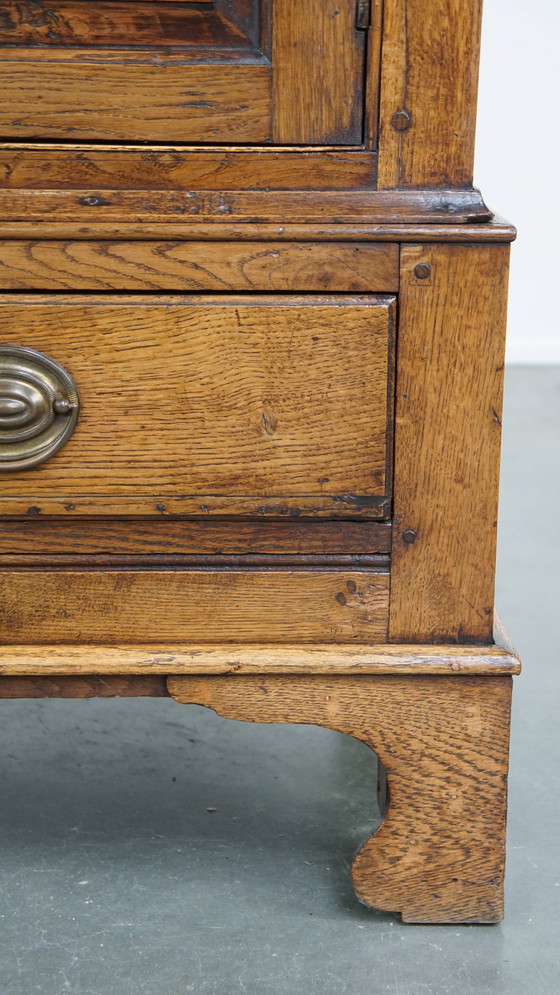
[[116, 879]]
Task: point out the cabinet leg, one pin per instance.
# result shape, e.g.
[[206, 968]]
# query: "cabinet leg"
[[438, 855]]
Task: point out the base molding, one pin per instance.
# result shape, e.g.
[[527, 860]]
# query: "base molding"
[[253, 658]]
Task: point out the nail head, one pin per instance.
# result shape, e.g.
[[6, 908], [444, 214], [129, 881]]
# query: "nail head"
[[401, 120], [409, 535]]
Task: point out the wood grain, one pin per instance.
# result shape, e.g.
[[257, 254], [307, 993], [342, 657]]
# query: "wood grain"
[[129, 606], [114, 24], [330, 659], [373, 75], [318, 58], [447, 442], [142, 72], [443, 741], [280, 206], [495, 231], [253, 414], [179, 561], [330, 507], [157, 266], [74, 167], [430, 70], [167, 536], [261, 400], [83, 687], [133, 102]]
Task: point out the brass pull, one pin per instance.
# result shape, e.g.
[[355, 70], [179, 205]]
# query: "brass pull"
[[39, 406]]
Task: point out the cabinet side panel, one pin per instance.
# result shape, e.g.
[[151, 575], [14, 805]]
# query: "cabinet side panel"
[[447, 442], [430, 71]]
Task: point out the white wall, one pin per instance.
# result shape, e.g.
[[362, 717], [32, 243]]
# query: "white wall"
[[518, 162]]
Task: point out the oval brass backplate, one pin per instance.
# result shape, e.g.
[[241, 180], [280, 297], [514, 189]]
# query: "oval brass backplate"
[[39, 406]]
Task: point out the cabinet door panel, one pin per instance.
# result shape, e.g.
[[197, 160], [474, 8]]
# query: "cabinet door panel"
[[177, 72]]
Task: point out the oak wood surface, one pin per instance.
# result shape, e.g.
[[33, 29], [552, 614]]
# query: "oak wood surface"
[[198, 605], [156, 658], [76, 167], [284, 207], [158, 266], [261, 400], [373, 74], [84, 687], [447, 442], [430, 71], [146, 72], [185, 410], [165, 536], [204, 38], [329, 507], [181, 561], [443, 741], [110, 23], [318, 59], [115, 102], [495, 231]]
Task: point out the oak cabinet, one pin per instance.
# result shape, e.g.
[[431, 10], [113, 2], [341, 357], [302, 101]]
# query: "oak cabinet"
[[252, 319]]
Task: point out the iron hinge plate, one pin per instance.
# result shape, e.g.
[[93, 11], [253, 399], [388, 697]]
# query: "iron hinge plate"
[[363, 15]]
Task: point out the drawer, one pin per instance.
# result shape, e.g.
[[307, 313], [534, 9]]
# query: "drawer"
[[252, 406]]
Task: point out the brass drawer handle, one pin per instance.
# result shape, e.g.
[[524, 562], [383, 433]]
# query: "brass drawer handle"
[[39, 406]]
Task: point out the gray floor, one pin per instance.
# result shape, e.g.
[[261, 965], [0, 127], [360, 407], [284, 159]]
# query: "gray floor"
[[153, 849]]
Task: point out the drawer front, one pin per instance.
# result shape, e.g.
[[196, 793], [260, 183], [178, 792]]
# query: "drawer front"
[[266, 406]]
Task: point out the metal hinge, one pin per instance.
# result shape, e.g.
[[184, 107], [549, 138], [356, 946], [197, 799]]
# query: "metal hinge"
[[363, 15]]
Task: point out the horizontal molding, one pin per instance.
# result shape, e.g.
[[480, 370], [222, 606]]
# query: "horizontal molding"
[[496, 230], [319, 506], [168, 659], [295, 206], [280, 561]]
